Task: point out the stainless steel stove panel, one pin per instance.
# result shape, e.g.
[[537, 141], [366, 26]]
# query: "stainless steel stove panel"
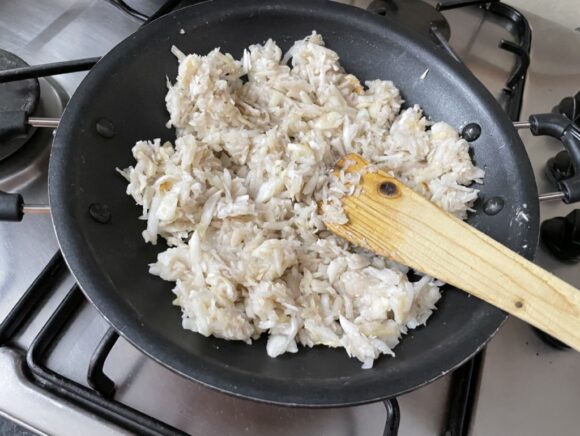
[[68, 29]]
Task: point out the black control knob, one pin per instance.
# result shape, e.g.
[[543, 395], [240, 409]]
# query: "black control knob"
[[560, 167], [11, 207], [562, 236], [570, 108]]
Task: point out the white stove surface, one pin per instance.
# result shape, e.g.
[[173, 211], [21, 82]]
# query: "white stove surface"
[[527, 387]]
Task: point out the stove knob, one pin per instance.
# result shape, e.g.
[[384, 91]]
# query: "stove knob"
[[560, 167], [570, 108], [562, 236]]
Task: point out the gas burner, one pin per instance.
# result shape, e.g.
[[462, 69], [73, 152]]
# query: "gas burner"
[[26, 163], [415, 14], [16, 96]]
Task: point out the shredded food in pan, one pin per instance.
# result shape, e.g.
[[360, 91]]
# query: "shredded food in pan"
[[236, 198]]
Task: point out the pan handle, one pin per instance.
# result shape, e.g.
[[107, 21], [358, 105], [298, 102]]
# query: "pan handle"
[[13, 208], [566, 131]]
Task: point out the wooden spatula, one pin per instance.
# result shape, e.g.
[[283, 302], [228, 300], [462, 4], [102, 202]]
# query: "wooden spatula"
[[392, 220]]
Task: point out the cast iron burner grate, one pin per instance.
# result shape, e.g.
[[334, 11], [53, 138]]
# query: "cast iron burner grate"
[[99, 398], [417, 15]]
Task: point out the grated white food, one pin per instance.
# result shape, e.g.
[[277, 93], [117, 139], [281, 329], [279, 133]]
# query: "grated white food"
[[236, 199]]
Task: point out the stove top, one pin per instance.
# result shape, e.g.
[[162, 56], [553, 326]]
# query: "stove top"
[[57, 351]]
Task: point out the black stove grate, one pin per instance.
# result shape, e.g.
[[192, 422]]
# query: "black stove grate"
[[514, 89], [99, 398]]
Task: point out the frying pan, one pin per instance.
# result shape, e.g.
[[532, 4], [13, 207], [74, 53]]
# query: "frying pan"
[[122, 100]]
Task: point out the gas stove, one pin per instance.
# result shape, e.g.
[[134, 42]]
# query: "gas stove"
[[63, 370]]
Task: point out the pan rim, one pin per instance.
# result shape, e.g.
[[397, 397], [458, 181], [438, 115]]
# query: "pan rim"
[[354, 394]]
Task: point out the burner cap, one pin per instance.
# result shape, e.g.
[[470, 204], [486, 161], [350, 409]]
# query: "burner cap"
[[415, 14], [22, 95]]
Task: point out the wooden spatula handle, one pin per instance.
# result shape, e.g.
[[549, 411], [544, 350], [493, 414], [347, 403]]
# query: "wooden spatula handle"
[[391, 219]]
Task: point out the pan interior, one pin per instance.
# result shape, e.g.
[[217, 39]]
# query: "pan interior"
[[110, 261]]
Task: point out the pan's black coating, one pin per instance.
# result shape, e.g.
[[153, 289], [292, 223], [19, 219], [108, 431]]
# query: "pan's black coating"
[[110, 261]]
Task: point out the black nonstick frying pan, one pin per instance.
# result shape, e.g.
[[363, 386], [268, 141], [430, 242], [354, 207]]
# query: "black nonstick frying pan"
[[122, 101]]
